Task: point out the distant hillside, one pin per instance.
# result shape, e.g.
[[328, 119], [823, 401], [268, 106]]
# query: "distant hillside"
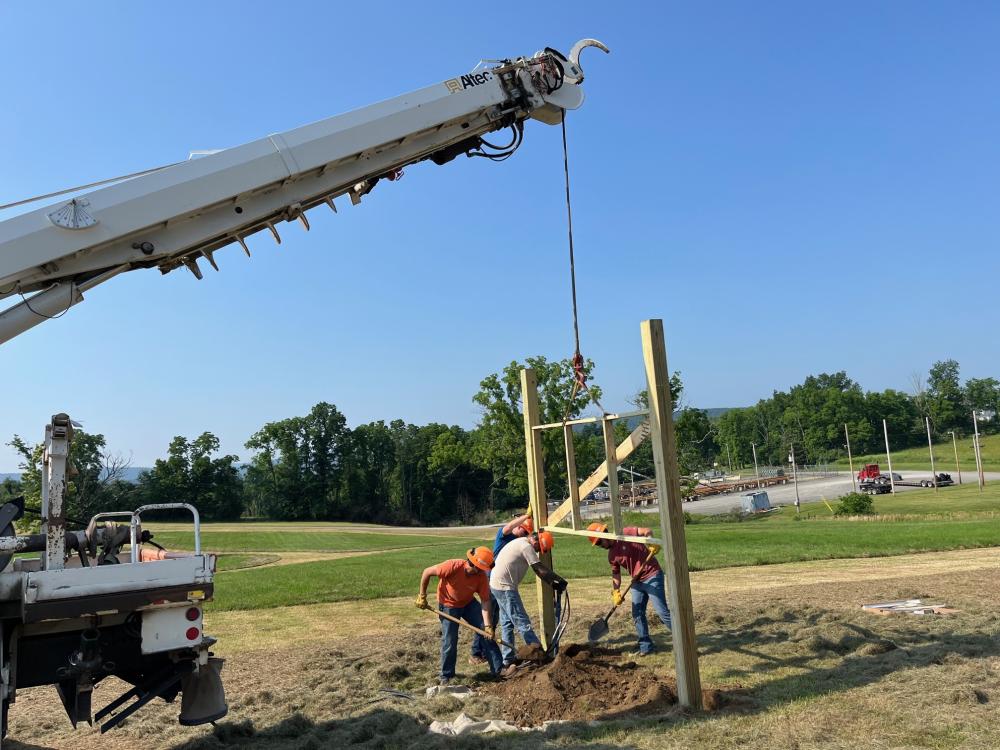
[[718, 411], [131, 474]]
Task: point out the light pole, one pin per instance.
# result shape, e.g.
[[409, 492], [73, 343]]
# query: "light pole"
[[850, 461], [888, 457], [795, 476], [756, 471], [979, 454], [930, 447], [958, 466]]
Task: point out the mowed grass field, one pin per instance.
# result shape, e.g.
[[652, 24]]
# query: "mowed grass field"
[[359, 565]]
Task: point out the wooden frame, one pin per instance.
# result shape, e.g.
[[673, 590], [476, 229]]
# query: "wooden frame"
[[659, 428]]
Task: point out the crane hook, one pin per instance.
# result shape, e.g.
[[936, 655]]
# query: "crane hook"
[[574, 73]]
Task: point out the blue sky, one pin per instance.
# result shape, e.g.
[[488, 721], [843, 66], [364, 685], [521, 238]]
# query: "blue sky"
[[817, 180]]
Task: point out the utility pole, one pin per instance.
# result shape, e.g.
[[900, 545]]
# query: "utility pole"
[[930, 447], [979, 453], [729, 458], [795, 476], [756, 471], [958, 466], [850, 461], [888, 456]]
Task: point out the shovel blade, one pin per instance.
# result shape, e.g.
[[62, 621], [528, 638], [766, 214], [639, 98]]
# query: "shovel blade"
[[598, 630]]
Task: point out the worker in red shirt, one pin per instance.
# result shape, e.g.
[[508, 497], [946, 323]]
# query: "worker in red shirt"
[[459, 581], [648, 585]]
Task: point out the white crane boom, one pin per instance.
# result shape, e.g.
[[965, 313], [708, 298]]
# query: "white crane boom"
[[175, 216]]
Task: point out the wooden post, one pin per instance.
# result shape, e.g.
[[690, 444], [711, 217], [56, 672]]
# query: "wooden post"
[[668, 490], [571, 480], [536, 493], [612, 464], [850, 460], [756, 470]]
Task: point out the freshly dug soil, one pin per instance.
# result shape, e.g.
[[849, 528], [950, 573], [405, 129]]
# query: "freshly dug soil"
[[585, 683]]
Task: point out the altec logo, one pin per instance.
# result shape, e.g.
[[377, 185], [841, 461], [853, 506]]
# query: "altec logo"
[[473, 79]]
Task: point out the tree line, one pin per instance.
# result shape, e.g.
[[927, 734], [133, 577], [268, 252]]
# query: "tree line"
[[317, 467], [812, 416]]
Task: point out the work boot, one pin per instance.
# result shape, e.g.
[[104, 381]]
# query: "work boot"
[[508, 671], [444, 681], [476, 660]]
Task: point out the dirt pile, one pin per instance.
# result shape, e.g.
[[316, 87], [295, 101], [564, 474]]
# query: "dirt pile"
[[585, 683]]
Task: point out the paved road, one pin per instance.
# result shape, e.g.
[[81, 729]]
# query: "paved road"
[[810, 490]]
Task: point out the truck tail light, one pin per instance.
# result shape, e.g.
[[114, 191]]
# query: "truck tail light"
[[192, 634], [192, 614]]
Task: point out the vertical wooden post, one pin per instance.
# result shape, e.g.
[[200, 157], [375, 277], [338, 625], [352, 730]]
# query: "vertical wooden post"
[[756, 470], [571, 480], [668, 490], [610, 449], [536, 494]]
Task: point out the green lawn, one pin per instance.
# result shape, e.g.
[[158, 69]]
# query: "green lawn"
[[776, 538], [916, 459], [296, 540]]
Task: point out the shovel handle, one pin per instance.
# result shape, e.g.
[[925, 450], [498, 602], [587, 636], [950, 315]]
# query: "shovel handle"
[[469, 625], [629, 587]]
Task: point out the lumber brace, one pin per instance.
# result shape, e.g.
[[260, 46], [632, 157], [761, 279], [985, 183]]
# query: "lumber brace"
[[604, 535], [592, 482]]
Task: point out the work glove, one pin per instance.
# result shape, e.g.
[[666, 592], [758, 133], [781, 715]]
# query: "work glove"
[[422, 602], [559, 585], [529, 512], [491, 631], [616, 597], [654, 549]]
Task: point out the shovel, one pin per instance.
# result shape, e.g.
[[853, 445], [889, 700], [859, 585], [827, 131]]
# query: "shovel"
[[470, 626], [600, 627]]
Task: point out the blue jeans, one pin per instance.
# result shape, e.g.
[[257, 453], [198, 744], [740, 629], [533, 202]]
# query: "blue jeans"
[[472, 613], [478, 642], [513, 615], [655, 591]]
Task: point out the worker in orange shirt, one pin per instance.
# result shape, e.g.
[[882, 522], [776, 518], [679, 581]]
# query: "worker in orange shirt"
[[459, 581], [648, 585]]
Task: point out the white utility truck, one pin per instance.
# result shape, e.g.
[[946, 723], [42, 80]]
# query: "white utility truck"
[[84, 609]]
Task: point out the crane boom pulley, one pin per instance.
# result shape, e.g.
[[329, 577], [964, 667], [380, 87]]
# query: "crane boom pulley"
[[173, 217]]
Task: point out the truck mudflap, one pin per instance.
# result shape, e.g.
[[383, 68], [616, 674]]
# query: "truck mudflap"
[[199, 681]]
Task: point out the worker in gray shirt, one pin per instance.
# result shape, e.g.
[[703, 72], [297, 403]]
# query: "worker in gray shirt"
[[511, 566]]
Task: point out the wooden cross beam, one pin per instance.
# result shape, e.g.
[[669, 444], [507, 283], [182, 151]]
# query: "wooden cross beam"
[[591, 483]]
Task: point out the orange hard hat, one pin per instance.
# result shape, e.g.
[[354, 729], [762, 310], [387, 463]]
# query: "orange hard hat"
[[481, 557], [528, 526], [545, 541], [601, 527]]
